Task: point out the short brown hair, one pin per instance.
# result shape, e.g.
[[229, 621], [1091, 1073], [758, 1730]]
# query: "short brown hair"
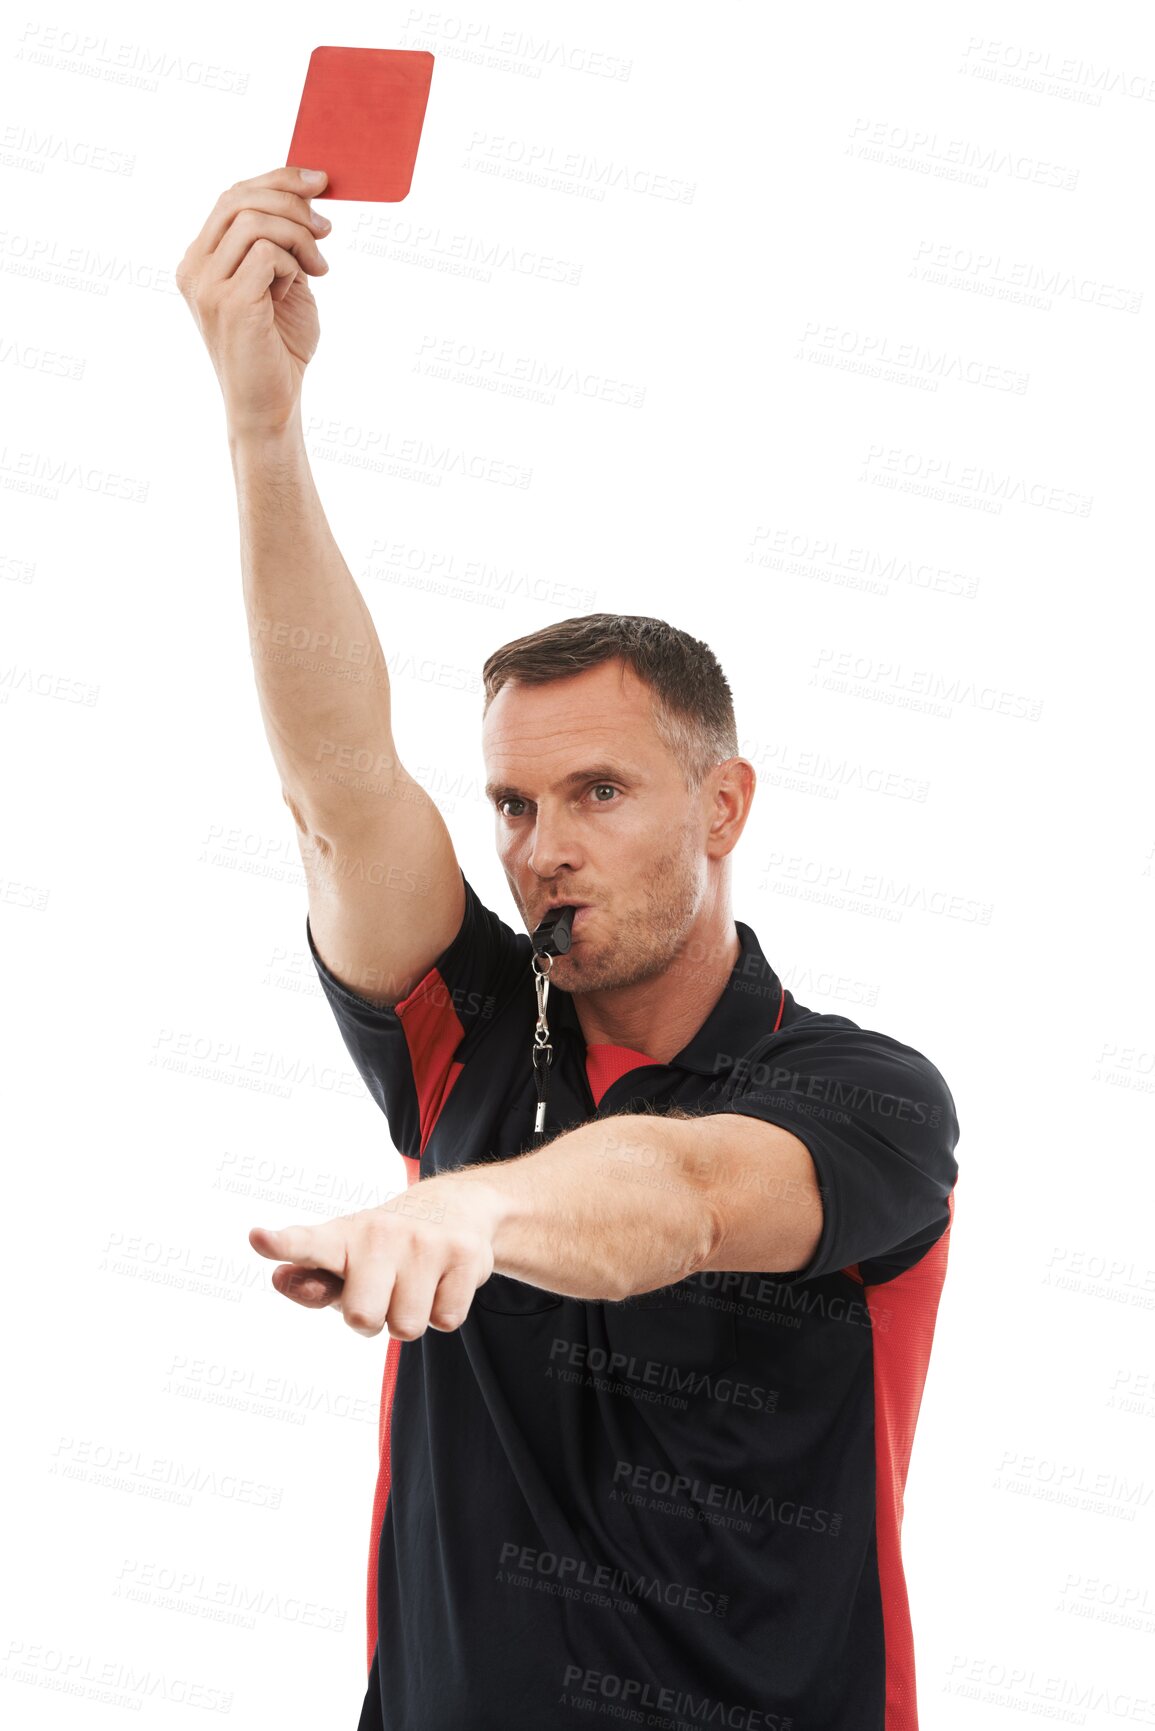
[[691, 700]]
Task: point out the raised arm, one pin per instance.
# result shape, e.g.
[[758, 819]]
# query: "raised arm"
[[385, 889]]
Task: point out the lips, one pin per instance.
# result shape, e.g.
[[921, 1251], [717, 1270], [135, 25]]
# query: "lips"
[[581, 909]]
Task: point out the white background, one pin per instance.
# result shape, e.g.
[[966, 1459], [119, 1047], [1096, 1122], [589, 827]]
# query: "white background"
[[876, 290]]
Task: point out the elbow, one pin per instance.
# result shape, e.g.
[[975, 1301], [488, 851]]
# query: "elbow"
[[699, 1243]]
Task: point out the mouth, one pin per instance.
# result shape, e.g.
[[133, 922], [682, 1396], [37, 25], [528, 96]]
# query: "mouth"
[[581, 911]]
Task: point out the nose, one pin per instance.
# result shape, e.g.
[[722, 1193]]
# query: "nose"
[[554, 845]]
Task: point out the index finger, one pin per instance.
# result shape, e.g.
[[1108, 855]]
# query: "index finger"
[[312, 1246]]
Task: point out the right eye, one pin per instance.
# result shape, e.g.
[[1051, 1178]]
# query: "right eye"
[[510, 798]]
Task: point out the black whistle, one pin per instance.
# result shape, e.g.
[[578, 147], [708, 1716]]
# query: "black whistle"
[[552, 937]]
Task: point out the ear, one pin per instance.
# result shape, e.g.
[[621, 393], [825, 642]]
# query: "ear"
[[732, 785]]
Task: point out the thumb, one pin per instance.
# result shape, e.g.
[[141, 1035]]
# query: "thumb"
[[313, 1287]]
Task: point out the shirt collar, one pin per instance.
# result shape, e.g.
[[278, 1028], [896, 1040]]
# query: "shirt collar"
[[750, 1006]]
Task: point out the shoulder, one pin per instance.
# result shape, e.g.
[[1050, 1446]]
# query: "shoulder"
[[832, 1059]]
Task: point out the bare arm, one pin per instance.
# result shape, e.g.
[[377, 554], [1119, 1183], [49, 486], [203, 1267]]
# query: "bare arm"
[[582, 1216], [385, 889]]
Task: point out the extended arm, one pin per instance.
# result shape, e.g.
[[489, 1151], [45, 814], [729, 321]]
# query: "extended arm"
[[617, 1206], [385, 889], [626, 1204]]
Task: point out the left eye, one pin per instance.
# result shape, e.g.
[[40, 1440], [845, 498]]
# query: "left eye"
[[604, 786]]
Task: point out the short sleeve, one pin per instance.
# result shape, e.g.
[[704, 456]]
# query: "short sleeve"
[[881, 1127], [410, 1054]]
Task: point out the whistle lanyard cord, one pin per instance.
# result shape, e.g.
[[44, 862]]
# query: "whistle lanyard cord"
[[542, 1049]]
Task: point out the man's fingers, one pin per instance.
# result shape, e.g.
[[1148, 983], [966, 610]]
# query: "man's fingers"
[[412, 1296], [291, 179], [315, 1288], [378, 1271], [281, 192], [253, 225], [415, 1302], [370, 1285], [313, 1246], [453, 1298], [395, 1280]]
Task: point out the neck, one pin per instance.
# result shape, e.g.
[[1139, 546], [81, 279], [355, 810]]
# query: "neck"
[[660, 1015]]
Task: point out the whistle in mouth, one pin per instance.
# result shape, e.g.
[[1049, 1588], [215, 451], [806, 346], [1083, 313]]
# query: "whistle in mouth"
[[552, 937]]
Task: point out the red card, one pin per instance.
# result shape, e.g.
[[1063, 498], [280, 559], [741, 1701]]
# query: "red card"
[[360, 119]]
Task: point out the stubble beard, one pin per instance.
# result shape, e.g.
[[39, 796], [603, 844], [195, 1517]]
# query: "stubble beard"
[[642, 942]]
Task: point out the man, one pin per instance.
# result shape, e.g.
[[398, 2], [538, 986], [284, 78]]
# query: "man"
[[653, 1374]]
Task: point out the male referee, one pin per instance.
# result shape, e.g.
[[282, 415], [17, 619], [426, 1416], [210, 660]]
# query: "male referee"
[[653, 1371]]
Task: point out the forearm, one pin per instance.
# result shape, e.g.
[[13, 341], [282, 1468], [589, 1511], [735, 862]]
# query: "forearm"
[[320, 671], [617, 1206], [572, 1217]]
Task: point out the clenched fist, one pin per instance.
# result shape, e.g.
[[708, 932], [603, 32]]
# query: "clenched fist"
[[245, 279]]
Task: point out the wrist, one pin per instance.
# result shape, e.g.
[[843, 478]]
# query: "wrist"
[[283, 440], [493, 1209]]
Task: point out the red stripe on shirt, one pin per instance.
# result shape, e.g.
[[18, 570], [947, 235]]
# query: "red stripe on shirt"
[[902, 1314], [433, 1031]]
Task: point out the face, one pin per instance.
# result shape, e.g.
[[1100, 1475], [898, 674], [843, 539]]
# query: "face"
[[590, 807]]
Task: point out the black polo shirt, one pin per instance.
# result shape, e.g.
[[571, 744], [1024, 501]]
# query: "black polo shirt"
[[682, 1510]]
